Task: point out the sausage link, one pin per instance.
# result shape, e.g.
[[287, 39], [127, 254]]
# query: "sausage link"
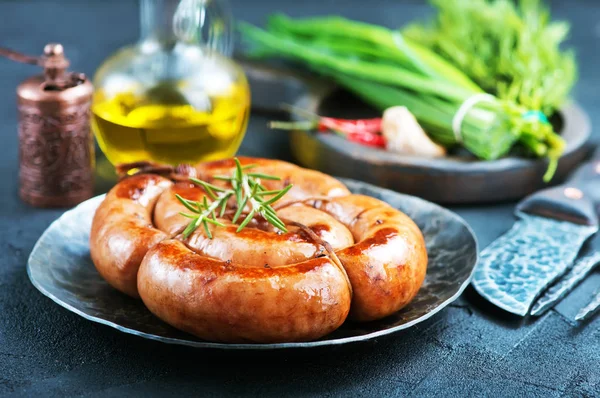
[[259, 285], [221, 301], [259, 245], [122, 230], [387, 265]]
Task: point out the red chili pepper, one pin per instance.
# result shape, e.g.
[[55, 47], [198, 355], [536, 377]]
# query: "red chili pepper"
[[362, 131], [369, 139], [350, 126]]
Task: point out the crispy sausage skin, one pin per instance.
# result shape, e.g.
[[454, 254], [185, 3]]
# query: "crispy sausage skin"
[[306, 183], [122, 230], [258, 245], [388, 263], [249, 286], [259, 285], [226, 302]]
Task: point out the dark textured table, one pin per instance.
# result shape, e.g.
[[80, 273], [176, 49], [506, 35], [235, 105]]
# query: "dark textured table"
[[470, 349]]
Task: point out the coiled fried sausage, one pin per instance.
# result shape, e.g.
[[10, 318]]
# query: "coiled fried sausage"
[[343, 255]]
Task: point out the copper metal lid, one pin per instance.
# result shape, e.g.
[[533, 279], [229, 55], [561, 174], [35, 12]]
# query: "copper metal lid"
[[56, 84]]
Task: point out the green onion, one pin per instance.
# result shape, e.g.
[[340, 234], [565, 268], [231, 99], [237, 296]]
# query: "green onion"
[[386, 68]]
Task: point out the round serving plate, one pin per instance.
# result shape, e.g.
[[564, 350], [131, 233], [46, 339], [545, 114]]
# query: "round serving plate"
[[456, 179], [61, 268]]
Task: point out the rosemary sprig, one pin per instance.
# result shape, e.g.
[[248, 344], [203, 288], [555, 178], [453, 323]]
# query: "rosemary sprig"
[[203, 213], [247, 189]]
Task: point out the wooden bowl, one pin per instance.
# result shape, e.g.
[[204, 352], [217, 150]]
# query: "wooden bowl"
[[457, 179]]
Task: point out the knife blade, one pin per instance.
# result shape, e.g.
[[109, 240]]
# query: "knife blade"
[[542, 245], [582, 267], [587, 177], [590, 309]]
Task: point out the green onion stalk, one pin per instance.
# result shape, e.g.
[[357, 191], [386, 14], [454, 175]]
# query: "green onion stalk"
[[386, 69]]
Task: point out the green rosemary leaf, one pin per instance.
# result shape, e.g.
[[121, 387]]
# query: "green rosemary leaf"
[[208, 188], [264, 176], [246, 220], [223, 206], [210, 193], [270, 210], [206, 184], [187, 215], [248, 166], [275, 221], [238, 169], [271, 216], [205, 224], [187, 203], [278, 196], [267, 193], [239, 196], [222, 178], [190, 228], [214, 222], [239, 210]]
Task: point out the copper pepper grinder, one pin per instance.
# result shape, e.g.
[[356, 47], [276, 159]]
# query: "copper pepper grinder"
[[56, 147]]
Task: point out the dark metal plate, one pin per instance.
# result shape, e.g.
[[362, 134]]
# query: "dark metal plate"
[[60, 267], [458, 178]]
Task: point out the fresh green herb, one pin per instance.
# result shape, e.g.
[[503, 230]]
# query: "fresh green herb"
[[511, 49], [386, 69], [246, 188]]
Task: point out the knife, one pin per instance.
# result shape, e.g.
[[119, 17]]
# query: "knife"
[[590, 309], [582, 268], [542, 245], [588, 177]]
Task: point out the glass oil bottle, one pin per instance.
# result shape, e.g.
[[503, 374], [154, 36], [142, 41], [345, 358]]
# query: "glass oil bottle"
[[173, 97]]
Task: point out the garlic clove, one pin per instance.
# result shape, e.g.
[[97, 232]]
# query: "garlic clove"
[[404, 134]]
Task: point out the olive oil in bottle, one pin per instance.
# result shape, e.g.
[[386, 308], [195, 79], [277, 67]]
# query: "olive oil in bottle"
[[171, 97], [165, 127]]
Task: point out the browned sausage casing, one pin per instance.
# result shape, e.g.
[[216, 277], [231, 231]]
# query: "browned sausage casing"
[[258, 285], [221, 301], [387, 265], [122, 230]]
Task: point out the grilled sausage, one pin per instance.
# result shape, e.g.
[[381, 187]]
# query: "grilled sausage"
[[306, 183], [122, 230], [387, 265], [222, 301], [343, 256]]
